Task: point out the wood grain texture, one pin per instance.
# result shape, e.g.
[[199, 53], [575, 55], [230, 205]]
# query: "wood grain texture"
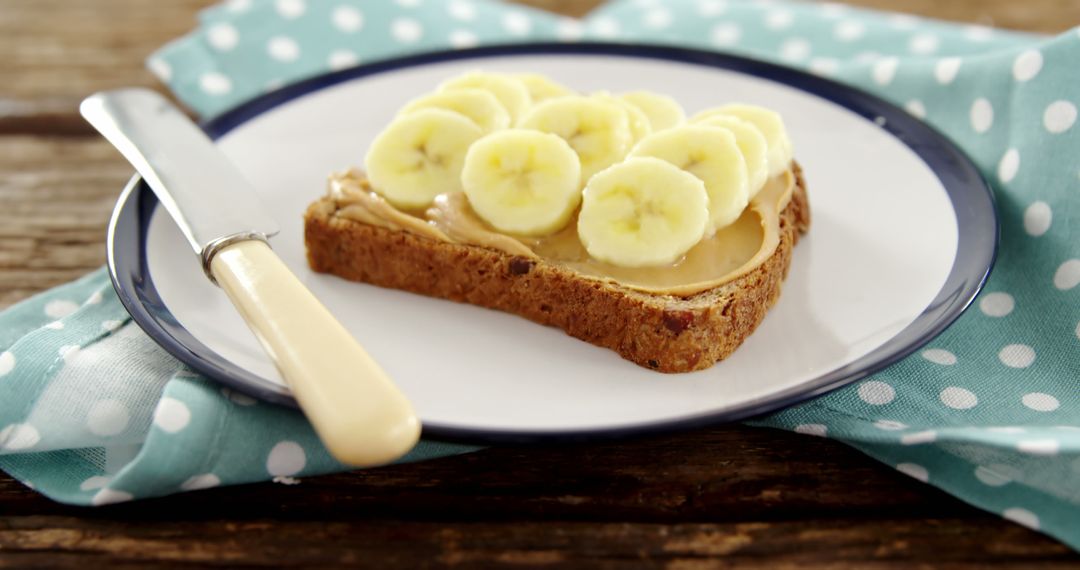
[[718, 498]]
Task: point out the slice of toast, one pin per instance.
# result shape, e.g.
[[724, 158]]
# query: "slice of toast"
[[662, 332]]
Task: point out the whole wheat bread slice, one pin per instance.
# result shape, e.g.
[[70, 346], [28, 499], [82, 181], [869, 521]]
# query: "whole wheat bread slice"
[[662, 332]]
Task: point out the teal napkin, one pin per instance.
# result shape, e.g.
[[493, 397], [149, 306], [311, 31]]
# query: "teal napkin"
[[93, 412]]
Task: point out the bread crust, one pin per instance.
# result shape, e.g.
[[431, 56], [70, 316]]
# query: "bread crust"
[[662, 332]]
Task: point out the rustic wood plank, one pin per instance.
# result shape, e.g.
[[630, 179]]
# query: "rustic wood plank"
[[55, 198], [63, 542]]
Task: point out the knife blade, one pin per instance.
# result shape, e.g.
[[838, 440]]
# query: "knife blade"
[[358, 413]]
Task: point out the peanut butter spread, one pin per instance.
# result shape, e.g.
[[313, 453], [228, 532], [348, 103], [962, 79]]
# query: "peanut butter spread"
[[733, 251]]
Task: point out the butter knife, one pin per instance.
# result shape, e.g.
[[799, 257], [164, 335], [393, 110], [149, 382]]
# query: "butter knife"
[[358, 413]]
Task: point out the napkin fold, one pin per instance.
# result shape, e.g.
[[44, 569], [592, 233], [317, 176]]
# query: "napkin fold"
[[93, 412]]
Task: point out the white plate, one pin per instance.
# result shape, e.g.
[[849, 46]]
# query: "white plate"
[[872, 280]]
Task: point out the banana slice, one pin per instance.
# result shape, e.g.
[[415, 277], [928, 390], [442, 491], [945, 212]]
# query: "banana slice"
[[598, 131], [522, 182], [511, 92], [768, 122], [712, 155], [751, 143], [477, 104], [419, 156], [637, 120], [663, 111], [542, 87], [642, 212]]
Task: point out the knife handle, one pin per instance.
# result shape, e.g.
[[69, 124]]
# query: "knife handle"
[[359, 414]]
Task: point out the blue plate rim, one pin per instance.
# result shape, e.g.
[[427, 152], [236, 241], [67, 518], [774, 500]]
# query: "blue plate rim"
[[977, 224]]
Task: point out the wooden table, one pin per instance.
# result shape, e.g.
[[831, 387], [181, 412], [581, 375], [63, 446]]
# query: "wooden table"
[[709, 499]]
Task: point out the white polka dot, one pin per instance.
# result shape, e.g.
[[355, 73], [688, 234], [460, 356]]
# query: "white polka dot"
[[238, 5], [7, 363], [876, 393], [94, 299], [605, 27], [849, 30], [110, 496], [1040, 402], [982, 115], [55, 325], [1059, 116], [285, 459], [215, 83], [779, 19], [658, 18], [997, 474], [1009, 165], [347, 19], [406, 30], [916, 108], [95, 482], [1027, 65], [461, 10], [824, 65], [342, 59], [1067, 275], [516, 23], [283, 48], [19, 436], [171, 415], [1038, 446], [160, 68], [725, 34], [996, 304], [818, 430], [223, 36], [60, 308], [1022, 517], [919, 437], [1017, 356], [68, 352], [958, 398], [945, 69], [924, 44], [977, 33], [107, 417], [569, 30], [408, 3], [290, 9], [273, 85], [939, 356], [463, 39], [913, 470], [204, 481], [890, 425], [795, 49], [711, 8], [884, 70], [111, 325], [903, 21], [1037, 218]]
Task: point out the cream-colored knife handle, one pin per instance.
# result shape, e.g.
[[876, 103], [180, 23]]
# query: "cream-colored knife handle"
[[357, 411]]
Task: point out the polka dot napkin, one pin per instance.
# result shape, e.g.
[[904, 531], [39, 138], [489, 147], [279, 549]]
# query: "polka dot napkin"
[[93, 412]]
